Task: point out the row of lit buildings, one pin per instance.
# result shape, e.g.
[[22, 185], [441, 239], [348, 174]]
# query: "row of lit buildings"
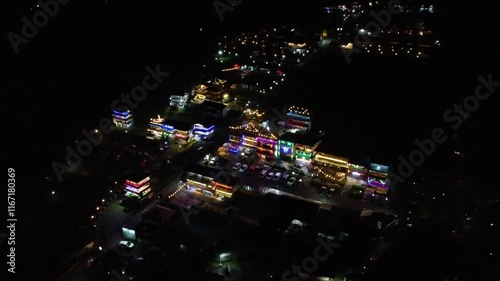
[[297, 145], [160, 129]]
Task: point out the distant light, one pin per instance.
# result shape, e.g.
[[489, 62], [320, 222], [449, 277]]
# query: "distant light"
[[53, 192], [100, 248], [492, 224]]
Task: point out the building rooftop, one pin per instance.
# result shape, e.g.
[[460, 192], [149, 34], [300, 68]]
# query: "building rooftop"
[[214, 88], [204, 123], [208, 104], [137, 176], [379, 168], [225, 179], [305, 139], [180, 125]]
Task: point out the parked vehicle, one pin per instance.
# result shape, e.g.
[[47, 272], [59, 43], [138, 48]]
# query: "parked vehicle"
[[285, 177], [263, 174], [126, 245], [243, 168], [214, 160], [269, 176], [236, 166], [277, 176], [291, 181]]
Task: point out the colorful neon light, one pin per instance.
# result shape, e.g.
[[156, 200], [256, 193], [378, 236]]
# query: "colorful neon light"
[[124, 113]]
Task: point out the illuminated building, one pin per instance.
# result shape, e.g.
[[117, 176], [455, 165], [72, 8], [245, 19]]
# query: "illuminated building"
[[159, 129], [198, 99], [250, 135], [297, 48], [332, 161], [357, 171], [123, 119], [178, 130], [254, 115], [378, 177], [137, 185], [297, 120], [156, 129], [299, 147], [213, 91], [178, 101], [203, 131], [209, 181]]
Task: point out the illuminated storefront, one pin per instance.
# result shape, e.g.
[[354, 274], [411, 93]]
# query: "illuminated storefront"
[[178, 130], [203, 131], [123, 119], [137, 185], [328, 160], [357, 171], [156, 130], [297, 147], [378, 177], [249, 135], [297, 120], [286, 149], [205, 180], [330, 168]]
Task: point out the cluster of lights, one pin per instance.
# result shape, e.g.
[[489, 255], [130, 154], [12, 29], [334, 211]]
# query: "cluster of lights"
[[255, 112], [98, 209], [338, 177], [175, 192], [158, 120], [298, 110], [395, 50]]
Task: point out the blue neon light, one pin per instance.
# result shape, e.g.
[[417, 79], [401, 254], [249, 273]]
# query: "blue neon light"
[[211, 128], [122, 117], [167, 127], [289, 114], [124, 113]]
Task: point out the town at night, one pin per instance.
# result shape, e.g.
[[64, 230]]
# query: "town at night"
[[234, 140]]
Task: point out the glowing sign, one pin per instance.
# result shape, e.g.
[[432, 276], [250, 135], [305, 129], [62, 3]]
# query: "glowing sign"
[[129, 182]]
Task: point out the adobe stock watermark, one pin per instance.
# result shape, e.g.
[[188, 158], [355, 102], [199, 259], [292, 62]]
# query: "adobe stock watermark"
[[381, 19], [221, 7], [139, 93], [310, 264], [223, 177], [40, 19], [455, 116]]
